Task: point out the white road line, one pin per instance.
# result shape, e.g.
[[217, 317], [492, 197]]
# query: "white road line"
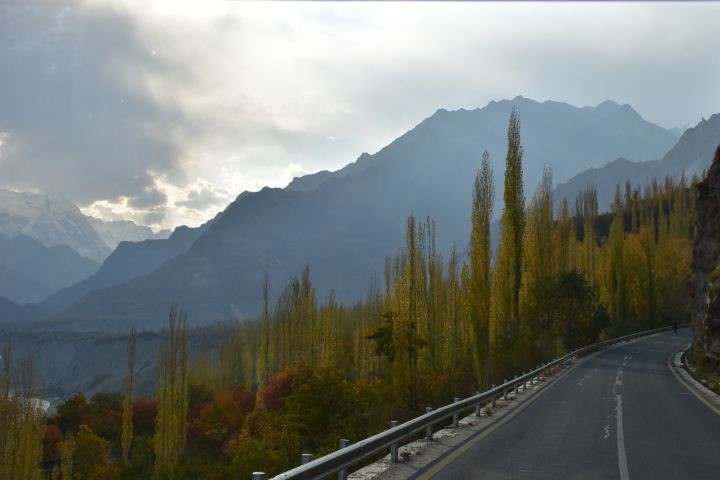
[[622, 458]]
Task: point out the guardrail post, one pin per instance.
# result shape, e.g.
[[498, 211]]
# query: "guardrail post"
[[305, 458], [428, 430], [456, 417], [259, 476], [505, 393], [493, 398], [517, 388], [394, 446], [342, 474], [477, 407]]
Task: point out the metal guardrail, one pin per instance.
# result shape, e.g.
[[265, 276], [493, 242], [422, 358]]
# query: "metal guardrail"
[[349, 455]]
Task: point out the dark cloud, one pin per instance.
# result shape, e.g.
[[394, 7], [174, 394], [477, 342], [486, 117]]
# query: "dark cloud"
[[77, 121], [151, 197]]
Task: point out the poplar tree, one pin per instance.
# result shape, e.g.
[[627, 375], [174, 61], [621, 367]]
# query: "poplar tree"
[[127, 413], [172, 400], [411, 330], [263, 363], [565, 240], [512, 231], [539, 233], [480, 258], [587, 209], [21, 421], [618, 289]]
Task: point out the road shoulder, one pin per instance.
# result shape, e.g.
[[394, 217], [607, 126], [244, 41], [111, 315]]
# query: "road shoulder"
[[704, 394]]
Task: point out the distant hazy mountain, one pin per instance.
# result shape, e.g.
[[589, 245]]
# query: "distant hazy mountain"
[[114, 232], [692, 154], [9, 310], [13, 312], [129, 260], [53, 220], [30, 271], [343, 224]]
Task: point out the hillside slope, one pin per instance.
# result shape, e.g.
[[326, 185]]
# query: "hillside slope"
[[30, 271], [691, 154], [129, 260]]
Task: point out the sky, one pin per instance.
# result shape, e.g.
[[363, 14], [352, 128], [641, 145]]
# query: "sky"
[[163, 112]]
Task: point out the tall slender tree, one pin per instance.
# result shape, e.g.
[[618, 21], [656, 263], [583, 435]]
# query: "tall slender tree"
[[512, 230], [172, 400], [618, 284], [127, 413], [480, 254], [263, 363]]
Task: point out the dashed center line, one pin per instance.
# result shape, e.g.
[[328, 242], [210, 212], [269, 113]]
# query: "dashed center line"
[[622, 458]]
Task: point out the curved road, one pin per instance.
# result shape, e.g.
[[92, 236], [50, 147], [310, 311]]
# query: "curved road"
[[618, 415]]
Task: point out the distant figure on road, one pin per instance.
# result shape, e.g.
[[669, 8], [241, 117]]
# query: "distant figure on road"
[[675, 327]]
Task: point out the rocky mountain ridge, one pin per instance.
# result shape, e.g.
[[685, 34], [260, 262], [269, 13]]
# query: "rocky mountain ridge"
[[691, 155]]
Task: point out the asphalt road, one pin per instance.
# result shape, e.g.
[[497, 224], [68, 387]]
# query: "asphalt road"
[[619, 415]]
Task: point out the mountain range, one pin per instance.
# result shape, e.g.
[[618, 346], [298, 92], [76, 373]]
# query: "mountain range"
[[30, 271], [54, 220], [344, 223], [691, 155]]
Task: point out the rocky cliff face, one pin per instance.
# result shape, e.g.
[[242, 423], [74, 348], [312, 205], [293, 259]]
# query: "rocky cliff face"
[[71, 362], [706, 256]]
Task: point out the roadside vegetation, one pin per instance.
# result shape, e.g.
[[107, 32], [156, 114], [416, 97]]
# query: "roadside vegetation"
[[311, 371]]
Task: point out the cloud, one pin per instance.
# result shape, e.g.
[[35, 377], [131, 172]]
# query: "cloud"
[[150, 197], [65, 108], [204, 196], [164, 111]]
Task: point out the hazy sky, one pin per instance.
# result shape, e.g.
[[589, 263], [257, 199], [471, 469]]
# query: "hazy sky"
[[163, 113]]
